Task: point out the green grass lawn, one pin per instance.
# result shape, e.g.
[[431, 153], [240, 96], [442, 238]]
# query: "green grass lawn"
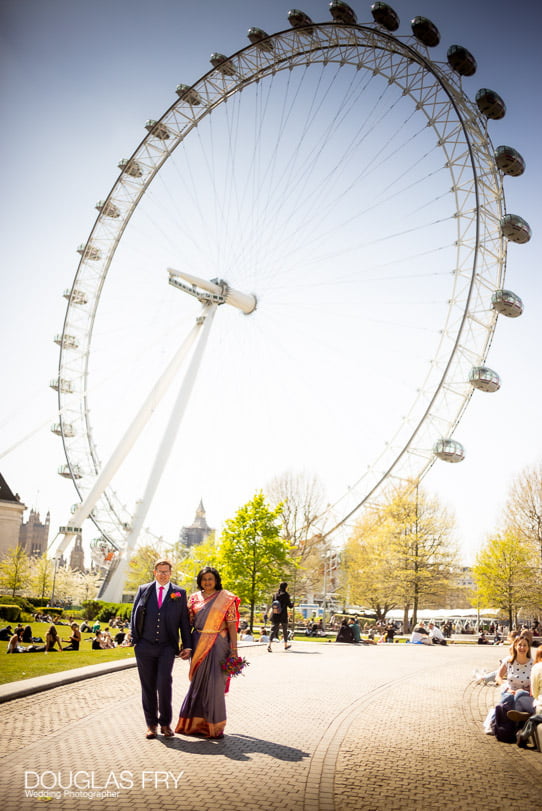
[[27, 665]]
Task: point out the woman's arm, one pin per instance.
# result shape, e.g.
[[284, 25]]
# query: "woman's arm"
[[232, 633], [502, 672]]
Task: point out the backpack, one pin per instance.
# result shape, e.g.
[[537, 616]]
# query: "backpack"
[[505, 729], [276, 608]]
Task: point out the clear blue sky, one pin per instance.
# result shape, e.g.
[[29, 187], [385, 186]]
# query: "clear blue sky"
[[77, 83]]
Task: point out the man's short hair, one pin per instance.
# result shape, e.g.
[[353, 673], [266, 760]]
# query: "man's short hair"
[[162, 562]]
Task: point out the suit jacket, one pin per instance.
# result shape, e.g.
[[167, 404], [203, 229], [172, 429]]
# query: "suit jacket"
[[174, 615]]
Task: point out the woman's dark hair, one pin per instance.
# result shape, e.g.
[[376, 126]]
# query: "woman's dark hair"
[[209, 570]]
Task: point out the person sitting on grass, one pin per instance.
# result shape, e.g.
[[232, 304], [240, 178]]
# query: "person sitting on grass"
[[51, 639], [97, 641], [75, 638], [14, 645]]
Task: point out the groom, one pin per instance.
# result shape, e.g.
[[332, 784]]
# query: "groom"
[[158, 614]]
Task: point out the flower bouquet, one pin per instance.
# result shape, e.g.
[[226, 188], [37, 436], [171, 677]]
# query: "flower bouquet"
[[234, 665]]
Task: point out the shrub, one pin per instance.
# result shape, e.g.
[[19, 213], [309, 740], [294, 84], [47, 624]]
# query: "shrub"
[[22, 602], [110, 610], [91, 608], [11, 613]]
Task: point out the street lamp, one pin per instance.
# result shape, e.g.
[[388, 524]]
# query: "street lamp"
[[54, 581]]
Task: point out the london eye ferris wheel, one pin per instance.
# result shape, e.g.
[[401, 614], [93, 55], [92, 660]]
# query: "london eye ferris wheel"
[[337, 186]]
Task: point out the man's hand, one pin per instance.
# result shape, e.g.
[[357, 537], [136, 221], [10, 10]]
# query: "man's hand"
[[186, 653]]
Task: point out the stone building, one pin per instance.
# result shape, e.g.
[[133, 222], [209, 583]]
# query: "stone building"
[[11, 516], [198, 531], [33, 535], [77, 556]]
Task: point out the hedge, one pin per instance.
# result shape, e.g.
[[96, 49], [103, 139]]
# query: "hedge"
[[11, 613], [104, 612], [22, 602]]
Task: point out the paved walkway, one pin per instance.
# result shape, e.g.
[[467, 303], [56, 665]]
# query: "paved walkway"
[[322, 727]]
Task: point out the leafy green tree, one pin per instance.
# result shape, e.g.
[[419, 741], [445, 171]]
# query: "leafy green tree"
[[14, 570], [203, 554], [253, 556], [402, 554], [369, 568], [504, 574], [41, 576]]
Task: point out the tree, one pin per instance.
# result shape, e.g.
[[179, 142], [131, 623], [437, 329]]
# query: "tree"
[[141, 566], [402, 554], [524, 508], [300, 498], [503, 574], [198, 556], [41, 576], [14, 570], [253, 556], [369, 567], [426, 558]]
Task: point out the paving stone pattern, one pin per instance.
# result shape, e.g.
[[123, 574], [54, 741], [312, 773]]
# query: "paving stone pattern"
[[321, 727]]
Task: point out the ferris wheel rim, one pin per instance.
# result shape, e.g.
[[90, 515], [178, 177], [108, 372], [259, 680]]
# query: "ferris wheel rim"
[[148, 146]]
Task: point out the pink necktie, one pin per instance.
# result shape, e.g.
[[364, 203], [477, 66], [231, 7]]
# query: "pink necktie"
[[160, 596]]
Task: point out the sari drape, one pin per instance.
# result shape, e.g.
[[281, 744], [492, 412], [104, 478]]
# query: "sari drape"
[[204, 708]]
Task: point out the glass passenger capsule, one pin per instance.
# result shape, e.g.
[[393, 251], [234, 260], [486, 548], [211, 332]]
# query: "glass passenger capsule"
[[461, 60], [509, 161], [449, 450], [490, 104], [385, 16], [298, 19], [108, 209], [62, 385], [130, 167], [507, 303], [188, 94], [89, 251], [515, 228], [222, 64], [65, 429], [259, 38], [342, 12], [484, 379], [425, 31], [66, 473], [66, 341], [75, 296], [157, 129]]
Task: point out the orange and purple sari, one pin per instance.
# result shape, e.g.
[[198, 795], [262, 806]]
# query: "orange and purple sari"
[[203, 711]]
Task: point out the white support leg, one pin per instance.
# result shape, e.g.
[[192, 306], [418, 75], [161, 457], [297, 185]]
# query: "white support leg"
[[114, 587], [130, 437]]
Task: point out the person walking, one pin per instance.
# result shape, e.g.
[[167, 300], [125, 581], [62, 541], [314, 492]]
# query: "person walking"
[[159, 614], [279, 615]]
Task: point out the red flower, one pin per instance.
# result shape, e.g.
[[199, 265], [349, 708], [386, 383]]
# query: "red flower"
[[175, 595]]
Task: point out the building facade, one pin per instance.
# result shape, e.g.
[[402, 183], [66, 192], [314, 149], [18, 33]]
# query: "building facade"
[[198, 531], [33, 535], [11, 517]]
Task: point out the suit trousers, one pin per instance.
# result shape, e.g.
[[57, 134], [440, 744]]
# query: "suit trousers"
[[155, 666]]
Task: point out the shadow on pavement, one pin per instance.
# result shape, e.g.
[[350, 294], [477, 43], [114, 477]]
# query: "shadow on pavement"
[[235, 747]]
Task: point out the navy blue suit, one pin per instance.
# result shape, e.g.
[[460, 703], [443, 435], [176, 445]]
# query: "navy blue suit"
[[155, 633]]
